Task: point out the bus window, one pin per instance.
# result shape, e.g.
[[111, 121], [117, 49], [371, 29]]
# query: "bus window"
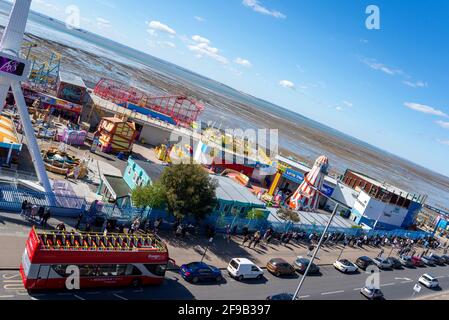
[[132, 271], [60, 270], [157, 269], [107, 270]]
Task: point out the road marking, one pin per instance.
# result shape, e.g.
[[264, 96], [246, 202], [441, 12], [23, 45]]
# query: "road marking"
[[407, 281], [388, 284], [333, 292], [120, 297], [357, 289], [7, 296], [304, 297], [78, 297]]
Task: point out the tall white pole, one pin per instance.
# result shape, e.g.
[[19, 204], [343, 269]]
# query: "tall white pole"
[[12, 39], [315, 253], [10, 45], [32, 144]]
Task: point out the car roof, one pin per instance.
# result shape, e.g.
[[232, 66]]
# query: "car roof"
[[243, 261], [278, 261], [365, 258], [429, 276]]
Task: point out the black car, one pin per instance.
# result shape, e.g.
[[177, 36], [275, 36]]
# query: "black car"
[[281, 296], [364, 262], [438, 260], [395, 263], [445, 258]]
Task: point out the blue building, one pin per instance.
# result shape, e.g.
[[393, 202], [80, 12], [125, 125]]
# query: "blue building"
[[117, 190]]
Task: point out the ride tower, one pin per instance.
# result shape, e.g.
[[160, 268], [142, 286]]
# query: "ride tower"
[[13, 70]]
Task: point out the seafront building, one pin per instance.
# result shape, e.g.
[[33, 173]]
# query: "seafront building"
[[381, 206]]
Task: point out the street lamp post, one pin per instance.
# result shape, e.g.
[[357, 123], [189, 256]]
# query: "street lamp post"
[[207, 247], [315, 253]]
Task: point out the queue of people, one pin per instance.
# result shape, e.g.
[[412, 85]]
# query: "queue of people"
[[39, 214]]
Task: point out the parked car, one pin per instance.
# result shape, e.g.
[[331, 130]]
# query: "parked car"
[[428, 260], [395, 263], [445, 257], [281, 296], [382, 263], [372, 293], [364, 262], [280, 267], [417, 261], [429, 281], [301, 263], [199, 271], [407, 261], [242, 268], [345, 266], [438, 260]]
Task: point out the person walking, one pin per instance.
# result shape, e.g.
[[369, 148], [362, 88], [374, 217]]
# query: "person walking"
[[24, 207], [46, 217], [157, 224], [245, 239], [311, 248], [251, 241], [41, 213], [78, 221], [257, 238]]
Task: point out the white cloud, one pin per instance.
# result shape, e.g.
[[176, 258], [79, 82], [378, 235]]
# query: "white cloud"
[[200, 39], [199, 19], [167, 44], [202, 48], [103, 23], [375, 65], [159, 26], [445, 142], [257, 7], [287, 84], [443, 124], [243, 62], [348, 103], [417, 84], [425, 109], [339, 108]]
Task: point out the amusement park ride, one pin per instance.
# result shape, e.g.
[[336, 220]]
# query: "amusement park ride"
[[13, 70]]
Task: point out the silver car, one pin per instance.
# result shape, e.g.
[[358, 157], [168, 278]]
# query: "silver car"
[[372, 293], [382, 263]]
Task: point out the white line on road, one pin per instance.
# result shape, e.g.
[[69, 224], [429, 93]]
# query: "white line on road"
[[304, 297], [7, 296], [410, 281], [388, 284], [120, 297], [78, 297], [357, 289], [333, 292]]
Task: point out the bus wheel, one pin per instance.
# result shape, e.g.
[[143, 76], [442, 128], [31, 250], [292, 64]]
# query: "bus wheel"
[[135, 283], [195, 280]]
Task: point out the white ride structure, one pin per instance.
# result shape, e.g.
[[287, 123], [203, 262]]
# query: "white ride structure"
[[13, 70]]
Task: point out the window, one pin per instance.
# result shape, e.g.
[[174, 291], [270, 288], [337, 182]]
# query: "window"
[[157, 269], [60, 270], [129, 170], [254, 269], [234, 264], [132, 271]]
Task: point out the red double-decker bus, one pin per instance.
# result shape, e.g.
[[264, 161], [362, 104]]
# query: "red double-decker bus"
[[103, 261]]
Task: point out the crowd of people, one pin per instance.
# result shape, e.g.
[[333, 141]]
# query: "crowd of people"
[[33, 212]]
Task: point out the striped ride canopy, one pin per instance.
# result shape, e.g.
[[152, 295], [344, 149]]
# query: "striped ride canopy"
[[306, 197]]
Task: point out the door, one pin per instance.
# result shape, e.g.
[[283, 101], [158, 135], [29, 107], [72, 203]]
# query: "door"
[[254, 271], [42, 276]]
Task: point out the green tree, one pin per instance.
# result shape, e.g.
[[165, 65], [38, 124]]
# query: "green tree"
[[256, 214], [152, 196], [289, 216], [189, 191]]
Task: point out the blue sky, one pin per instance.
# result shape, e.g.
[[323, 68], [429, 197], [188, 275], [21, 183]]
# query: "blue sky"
[[388, 87]]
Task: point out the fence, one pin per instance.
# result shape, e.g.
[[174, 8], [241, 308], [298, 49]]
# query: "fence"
[[11, 199]]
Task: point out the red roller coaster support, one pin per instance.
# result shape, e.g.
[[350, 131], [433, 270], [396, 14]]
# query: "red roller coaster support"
[[181, 109]]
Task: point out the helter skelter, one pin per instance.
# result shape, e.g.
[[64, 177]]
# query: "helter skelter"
[[307, 195]]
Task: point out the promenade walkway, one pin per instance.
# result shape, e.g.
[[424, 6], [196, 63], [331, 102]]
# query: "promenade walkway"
[[14, 232]]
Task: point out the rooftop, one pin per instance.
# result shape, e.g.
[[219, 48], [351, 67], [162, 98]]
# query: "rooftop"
[[229, 190], [153, 170], [117, 185], [72, 79]]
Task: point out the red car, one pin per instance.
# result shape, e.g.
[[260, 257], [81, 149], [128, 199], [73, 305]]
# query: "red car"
[[417, 261]]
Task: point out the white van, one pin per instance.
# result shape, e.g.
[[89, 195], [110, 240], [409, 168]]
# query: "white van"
[[242, 268]]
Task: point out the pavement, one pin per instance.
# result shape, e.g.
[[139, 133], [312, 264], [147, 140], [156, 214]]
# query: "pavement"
[[14, 230], [330, 284]]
